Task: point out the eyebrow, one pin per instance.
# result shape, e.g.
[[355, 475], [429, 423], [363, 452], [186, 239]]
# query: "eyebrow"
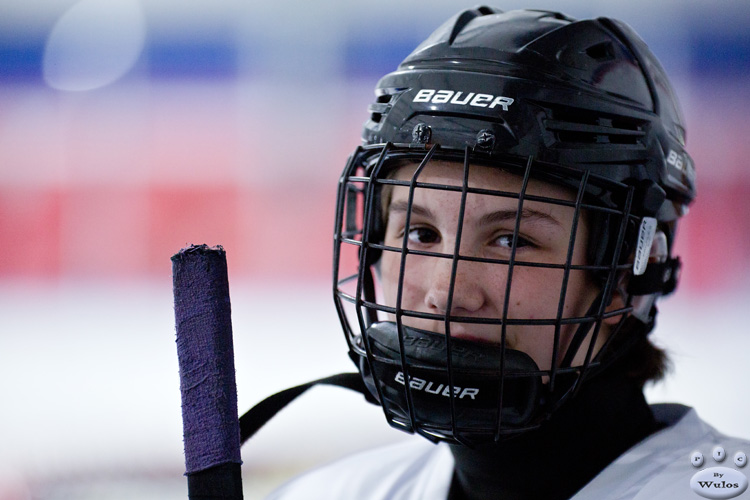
[[402, 206], [527, 214]]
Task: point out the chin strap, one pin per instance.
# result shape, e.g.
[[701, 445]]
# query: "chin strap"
[[581, 332], [257, 416]]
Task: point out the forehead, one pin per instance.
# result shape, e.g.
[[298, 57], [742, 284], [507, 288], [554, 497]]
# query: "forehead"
[[451, 173]]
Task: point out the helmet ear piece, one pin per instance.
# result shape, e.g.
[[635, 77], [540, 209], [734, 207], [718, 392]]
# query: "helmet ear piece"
[[377, 225], [659, 278], [648, 199], [599, 239], [604, 229]]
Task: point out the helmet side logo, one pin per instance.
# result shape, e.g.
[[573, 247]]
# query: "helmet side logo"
[[460, 99], [683, 164]]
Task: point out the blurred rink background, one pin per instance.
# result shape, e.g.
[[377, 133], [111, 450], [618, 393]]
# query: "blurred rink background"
[[130, 129]]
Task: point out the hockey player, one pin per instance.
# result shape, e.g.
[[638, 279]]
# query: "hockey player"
[[503, 236]]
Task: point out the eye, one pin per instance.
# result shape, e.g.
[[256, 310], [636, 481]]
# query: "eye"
[[423, 236], [506, 241]]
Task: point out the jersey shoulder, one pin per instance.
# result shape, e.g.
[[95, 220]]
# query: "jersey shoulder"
[[662, 467], [409, 470]]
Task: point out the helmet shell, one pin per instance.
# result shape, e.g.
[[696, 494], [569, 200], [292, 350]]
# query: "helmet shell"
[[584, 94]]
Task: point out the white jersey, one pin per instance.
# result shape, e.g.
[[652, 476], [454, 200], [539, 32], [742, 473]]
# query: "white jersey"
[[658, 468]]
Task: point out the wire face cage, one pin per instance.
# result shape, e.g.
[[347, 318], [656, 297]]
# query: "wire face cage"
[[475, 296]]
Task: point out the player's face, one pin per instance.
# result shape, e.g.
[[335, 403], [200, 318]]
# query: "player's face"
[[486, 233]]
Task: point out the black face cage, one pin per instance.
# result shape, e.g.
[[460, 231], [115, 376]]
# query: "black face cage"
[[447, 388]]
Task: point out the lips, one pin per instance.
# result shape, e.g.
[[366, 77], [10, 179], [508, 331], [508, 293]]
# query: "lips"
[[480, 336], [474, 338], [478, 333]]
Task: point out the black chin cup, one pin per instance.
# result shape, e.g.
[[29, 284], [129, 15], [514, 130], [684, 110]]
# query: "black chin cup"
[[496, 391]]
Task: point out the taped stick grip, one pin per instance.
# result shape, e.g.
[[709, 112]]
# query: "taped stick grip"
[[207, 378]]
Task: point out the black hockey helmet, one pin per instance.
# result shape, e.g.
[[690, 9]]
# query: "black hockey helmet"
[[582, 104]]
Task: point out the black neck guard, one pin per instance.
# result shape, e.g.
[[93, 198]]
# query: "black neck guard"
[[607, 417]]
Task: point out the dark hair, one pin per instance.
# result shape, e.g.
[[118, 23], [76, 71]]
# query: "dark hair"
[[639, 358]]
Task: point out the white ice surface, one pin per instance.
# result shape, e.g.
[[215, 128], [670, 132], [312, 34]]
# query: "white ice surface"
[[89, 377]]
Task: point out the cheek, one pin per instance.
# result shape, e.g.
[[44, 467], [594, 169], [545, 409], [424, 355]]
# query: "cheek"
[[537, 342], [537, 296], [581, 294], [534, 293], [389, 276], [413, 277]]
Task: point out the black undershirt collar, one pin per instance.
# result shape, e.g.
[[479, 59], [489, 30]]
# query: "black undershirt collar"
[[606, 418]]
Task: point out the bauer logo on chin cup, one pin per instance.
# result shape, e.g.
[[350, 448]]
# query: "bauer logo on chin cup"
[[478, 375]]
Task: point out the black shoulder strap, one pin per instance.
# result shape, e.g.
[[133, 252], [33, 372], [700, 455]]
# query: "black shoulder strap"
[[258, 415]]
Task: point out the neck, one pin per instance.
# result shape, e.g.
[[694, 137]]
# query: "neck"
[[607, 417]]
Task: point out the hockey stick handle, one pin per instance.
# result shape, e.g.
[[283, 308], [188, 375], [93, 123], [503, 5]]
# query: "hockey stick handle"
[[207, 378]]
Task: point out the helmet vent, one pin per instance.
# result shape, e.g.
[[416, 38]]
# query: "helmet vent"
[[576, 126], [601, 51], [383, 104], [380, 107], [466, 17]]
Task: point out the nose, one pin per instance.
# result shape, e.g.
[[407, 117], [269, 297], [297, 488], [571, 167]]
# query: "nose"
[[468, 295]]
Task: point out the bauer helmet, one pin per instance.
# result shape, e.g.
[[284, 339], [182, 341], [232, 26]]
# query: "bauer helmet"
[[580, 105]]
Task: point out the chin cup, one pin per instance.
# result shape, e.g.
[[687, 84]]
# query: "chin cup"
[[483, 393]]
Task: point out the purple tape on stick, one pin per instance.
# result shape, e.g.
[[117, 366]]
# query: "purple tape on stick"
[[206, 357]]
